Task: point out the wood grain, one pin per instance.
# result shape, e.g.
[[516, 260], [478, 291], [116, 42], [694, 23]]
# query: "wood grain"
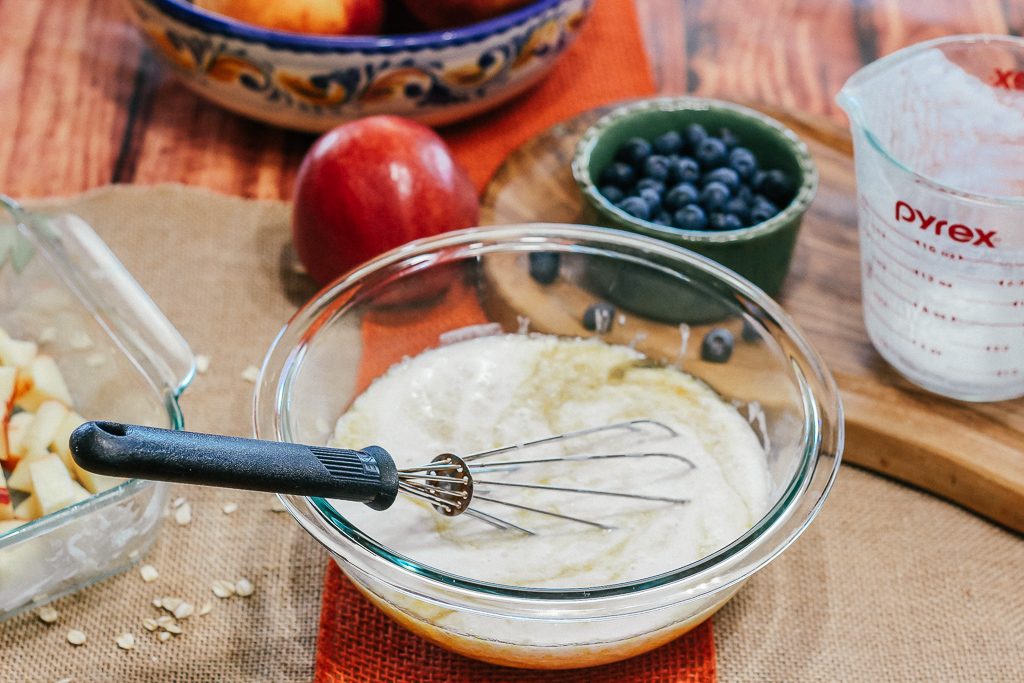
[[83, 102], [968, 453]]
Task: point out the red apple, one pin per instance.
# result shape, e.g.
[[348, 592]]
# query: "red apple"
[[328, 17], [448, 13], [372, 185]]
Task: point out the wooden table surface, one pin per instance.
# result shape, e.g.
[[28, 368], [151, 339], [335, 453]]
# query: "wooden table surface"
[[83, 103]]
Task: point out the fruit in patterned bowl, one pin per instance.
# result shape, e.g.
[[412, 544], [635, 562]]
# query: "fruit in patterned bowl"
[[316, 82]]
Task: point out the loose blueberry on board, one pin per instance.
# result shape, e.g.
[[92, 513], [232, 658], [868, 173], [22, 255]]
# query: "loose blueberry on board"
[[656, 167], [544, 266], [635, 206], [717, 345], [683, 170], [690, 217], [599, 317], [618, 174], [724, 221], [714, 195], [634, 152], [680, 195], [612, 193], [649, 184], [668, 143], [724, 175], [711, 153], [742, 161]]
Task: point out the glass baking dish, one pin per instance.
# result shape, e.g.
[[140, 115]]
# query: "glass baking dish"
[[57, 276]]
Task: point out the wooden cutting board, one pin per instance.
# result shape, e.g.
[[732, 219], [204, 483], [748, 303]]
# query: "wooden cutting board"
[[971, 454]]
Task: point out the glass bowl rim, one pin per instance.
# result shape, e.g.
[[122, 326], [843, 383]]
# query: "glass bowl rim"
[[270, 400]]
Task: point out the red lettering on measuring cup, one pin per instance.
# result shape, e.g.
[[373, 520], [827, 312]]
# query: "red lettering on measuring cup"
[[1009, 79], [958, 232]]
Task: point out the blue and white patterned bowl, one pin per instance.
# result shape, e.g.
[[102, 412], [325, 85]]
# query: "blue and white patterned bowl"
[[313, 83]]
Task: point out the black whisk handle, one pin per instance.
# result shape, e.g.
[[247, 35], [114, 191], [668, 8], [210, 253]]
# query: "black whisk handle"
[[366, 476]]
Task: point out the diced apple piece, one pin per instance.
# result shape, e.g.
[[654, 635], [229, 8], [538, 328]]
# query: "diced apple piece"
[[61, 443], [17, 426], [43, 427], [28, 509], [51, 483], [8, 382], [20, 479], [16, 353], [45, 383], [80, 493], [6, 508], [95, 482]]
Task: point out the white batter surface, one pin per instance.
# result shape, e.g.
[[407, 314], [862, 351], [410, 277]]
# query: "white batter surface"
[[494, 391]]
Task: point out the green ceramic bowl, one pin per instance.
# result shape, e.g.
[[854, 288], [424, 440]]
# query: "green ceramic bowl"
[[761, 252]]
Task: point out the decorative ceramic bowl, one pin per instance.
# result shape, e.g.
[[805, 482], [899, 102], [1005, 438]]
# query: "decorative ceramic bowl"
[[314, 83], [760, 252]]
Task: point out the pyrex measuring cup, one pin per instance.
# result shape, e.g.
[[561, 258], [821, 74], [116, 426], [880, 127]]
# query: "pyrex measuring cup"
[[938, 132]]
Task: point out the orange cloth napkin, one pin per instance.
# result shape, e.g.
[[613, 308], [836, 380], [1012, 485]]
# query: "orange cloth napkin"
[[359, 644], [607, 63]]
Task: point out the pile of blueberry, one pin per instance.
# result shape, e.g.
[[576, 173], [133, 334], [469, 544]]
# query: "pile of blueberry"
[[694, 181]]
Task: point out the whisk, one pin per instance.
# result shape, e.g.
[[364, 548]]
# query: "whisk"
[[449, 483]]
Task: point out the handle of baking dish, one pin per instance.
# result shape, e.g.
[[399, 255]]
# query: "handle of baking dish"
[[88, 267]]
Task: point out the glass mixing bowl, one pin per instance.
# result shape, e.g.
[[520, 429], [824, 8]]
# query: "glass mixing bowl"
[[319, 362]]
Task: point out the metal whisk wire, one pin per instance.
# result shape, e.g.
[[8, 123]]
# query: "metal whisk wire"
[[449, 482]]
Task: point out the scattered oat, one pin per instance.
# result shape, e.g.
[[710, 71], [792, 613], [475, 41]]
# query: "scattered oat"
[[171, 604], [173, 628], [66, 680], [76, 637], [125, 641], [205, 609], [251, 373], [164, 619], [184, 610], [47, 335], [244, 588], [149, 624], [183, 515], [149, 573], [133, 555], [177, 502], [229, 508], [276, 505], [47, 614], [223, 589], [202, 364], [158, 602], [95, 360], [80, 340], [164, 636]]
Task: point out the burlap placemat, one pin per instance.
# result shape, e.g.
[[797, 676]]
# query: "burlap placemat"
[[887, 584]]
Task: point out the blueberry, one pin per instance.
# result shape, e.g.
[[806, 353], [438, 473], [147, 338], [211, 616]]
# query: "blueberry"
[[668, 143], [714, 195], [711, 153], [634, 152], [724, 221], [724, 175], [728, 137], [690, 217], [612, 193], [679, 196], [618, 174], [745, 193], [663, 218], [685, 170], [653, 199], [599, 317], [775, 185], [636, 207], [717, 345], [544, 266], [743, 161], [761, 210], [738, 207], [649, 184], [656, 167], [695, 134], [750, 332]]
